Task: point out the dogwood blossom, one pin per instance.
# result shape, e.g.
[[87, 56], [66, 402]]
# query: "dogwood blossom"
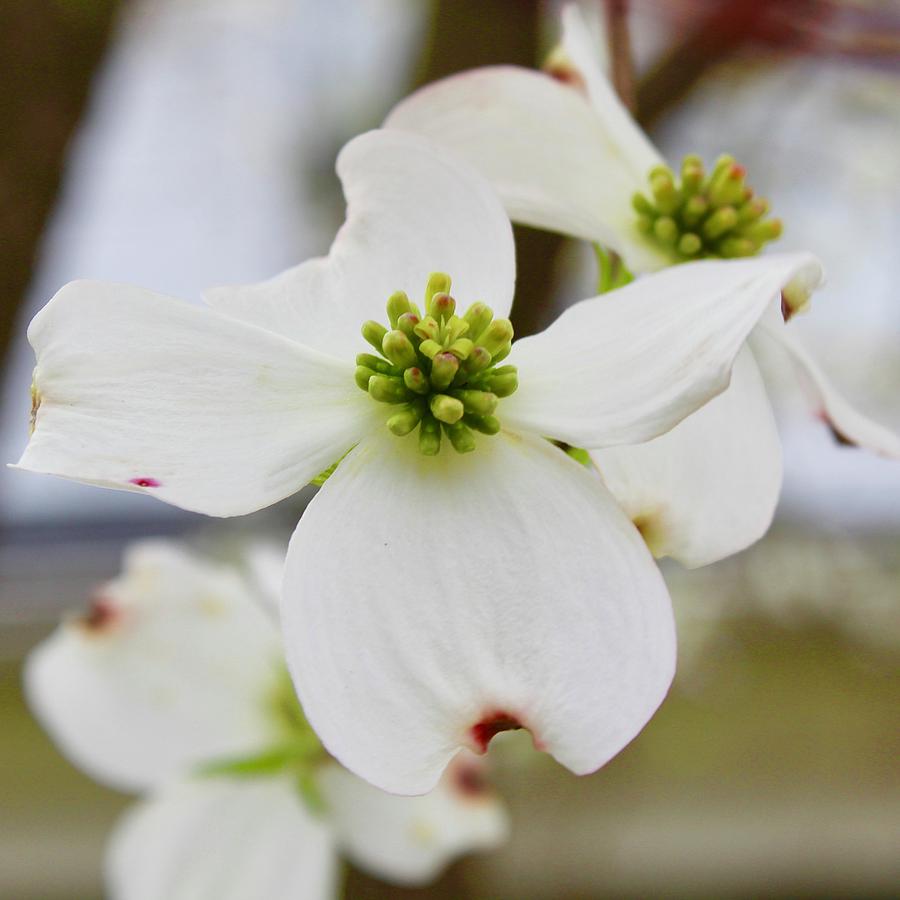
[[565, 155], [437, 589], [173, 686]]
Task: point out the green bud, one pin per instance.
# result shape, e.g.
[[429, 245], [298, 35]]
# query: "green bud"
[[477, 361], [446, 409], [375, 363], [429, 436], [388, 389], [362, 376], [666, 230], [479, 403], [484, 424], [438, 283], [502, 381], [735, 247], [503, 352], [374, 333], [416, 380], [456, 328], [479, 316], [752, 210], [645, 224], [444, 367], [461, 348], [428, 329], [666, 195], [727, 186], [498, 333], [442, 306], [689, 244], [768, 230], [719, 222], [642, 205], [398, 304], [405, 420], [407, 324], [430, 348], [398, 348], [694, 210], [461, 437]]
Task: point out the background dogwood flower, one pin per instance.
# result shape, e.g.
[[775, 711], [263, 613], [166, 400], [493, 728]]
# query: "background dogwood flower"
[[565, 155], [429, 601], [173, 686]]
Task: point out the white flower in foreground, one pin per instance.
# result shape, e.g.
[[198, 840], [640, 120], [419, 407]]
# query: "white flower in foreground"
[[173, 686], [565, 155], [431, 597]]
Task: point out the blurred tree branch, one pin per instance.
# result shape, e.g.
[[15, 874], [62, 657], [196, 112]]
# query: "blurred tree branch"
[[48, 52]]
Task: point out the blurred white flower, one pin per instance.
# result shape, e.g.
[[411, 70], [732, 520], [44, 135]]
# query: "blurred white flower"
[[173, 685], [431, 599], [565, 155]]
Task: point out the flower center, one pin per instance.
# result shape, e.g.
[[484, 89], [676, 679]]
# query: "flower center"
[[438, 372], [702, 215]]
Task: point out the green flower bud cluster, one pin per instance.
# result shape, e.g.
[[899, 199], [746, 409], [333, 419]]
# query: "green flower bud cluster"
[[439, 370], [704, 216]]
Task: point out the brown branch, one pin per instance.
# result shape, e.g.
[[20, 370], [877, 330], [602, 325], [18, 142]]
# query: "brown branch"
[[619, 43]]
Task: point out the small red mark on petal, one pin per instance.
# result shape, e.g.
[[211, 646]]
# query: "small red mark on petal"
[[144, 482], [786, 311], [484, 731], [839, 436], [469, 779], [101, 614], [566, 74]]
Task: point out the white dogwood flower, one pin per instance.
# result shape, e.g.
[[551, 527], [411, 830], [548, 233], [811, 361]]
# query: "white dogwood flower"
[[457, 575], [565, 155], [173, 686]]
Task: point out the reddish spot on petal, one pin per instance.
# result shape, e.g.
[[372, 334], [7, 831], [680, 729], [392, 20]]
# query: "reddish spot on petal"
[[101, 614], [839, 436], [144, 482], [469, 779], [786, 311], [483, 732], [567, 75]]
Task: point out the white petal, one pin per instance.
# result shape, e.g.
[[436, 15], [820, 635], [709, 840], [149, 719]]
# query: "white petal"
[[708, 488], [426, 599], [172, 667], [410, 840], [848, 425], [222, 839], [142, 392], [584, 43], [411, 210], [542, 146], [628, 366]]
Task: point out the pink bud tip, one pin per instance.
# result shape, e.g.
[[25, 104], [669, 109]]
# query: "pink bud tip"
[[145, 482]]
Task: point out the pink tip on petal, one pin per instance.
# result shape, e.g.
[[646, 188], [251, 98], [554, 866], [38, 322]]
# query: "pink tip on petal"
[[145, 482], [101, 614]]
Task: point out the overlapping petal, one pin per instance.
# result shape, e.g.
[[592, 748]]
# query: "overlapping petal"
[[138, 391], [172, 668], [583, 43], [412, 209], [543, 148], [222, 839], [431, 601], [409, 840], [626, 367], [709, 487], [848, 425]]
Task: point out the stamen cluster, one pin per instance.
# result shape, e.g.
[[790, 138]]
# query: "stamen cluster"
[[700, 216], [439, 370]]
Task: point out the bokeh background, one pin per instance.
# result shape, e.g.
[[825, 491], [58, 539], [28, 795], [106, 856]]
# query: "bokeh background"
[[179, 144]]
